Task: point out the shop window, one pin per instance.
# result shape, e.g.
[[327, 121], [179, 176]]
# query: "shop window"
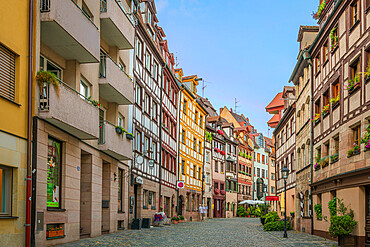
[[54, 173], [6, 182], [187, 201], [54, 231]]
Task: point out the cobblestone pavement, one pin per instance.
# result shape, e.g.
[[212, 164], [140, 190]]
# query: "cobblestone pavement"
[[212, 232]]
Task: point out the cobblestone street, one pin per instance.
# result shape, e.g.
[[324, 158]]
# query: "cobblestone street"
[[213, 232]]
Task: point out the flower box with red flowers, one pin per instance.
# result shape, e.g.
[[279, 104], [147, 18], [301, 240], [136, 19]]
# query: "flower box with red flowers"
[[217, 191], [222, 152], [223, 192], [221, 132], [217, 150]]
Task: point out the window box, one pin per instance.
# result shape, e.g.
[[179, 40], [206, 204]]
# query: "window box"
[[129, 136], [324, 162], [223, 192], [317, 121], [335, 105], [334, 48], [217, 191], [334, 158], [325, 113], [356, 152], [145, 207], [352, 89], [317, 166], [54, 231], [153, 207]]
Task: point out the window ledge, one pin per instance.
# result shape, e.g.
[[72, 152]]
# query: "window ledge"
[[10, 100], [354, 26], [121, 212], [56, 209], [8, 217]]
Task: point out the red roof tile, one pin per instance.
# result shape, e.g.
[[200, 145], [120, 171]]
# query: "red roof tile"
[[276, 102]]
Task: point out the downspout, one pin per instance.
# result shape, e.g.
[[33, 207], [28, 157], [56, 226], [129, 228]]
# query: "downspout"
[[29, 126], [204, 160], [34, 178], [311, 158], [160, 141], [178, 146]]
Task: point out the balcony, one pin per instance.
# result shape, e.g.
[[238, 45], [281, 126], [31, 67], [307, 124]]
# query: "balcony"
[[68, 110], [68, 31], [116, 28], [114, 84], [114, 144]]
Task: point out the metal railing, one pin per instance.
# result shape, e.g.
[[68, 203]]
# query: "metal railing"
[[45, 5], [103, 66], [101, 132]]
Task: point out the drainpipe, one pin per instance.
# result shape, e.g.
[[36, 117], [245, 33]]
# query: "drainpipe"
[[178, 145], [311, 158], [29, 126], [160, 141], [34, 178], [204, 160]]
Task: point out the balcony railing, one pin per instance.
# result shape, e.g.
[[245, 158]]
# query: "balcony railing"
[[45, 5], [102, 131]]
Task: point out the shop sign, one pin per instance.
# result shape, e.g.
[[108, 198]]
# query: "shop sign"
[[139, 180], [272, 198]]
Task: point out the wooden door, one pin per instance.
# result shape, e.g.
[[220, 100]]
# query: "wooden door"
[[367, 227]]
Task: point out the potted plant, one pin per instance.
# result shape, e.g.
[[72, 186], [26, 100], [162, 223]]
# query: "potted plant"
[[217, 150], [325, 110], [334, 102], [334, 158], [317, 166], [209, 136], [354, 151], [334, 39], [181, 219], [129, 136], [119, 130], [316, 119], [342, 222], [324, 161], [320, 10], [366, 74], [175, 220], [217, 191], [47, 77], [353, 84], [366, 139], [222, 192]]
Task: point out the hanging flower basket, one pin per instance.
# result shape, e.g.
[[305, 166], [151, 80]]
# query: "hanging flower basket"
[[221, 132], [222, 152], [46, 77], [223, 192], [217, 150], [217, 191]]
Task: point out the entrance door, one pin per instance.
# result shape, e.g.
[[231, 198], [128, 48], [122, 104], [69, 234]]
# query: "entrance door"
[[135, 201], [209, 207], [181, 202], [367, 227]]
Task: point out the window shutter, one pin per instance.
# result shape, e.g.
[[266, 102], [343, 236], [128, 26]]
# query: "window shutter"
[[7, 73]]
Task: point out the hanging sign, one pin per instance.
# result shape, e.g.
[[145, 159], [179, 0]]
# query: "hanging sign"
[[180, 184]]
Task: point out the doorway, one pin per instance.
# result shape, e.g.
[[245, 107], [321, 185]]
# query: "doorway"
[[367, 226], [105, 214], [85, 194], [181, 203], [135, 201]]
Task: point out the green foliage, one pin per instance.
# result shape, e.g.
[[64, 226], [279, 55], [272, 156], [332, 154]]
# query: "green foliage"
[[318, 210], [48, 78], [272, 217], [181, 217], [335, 100], [352, 82], [276, 226], [334, 158], [175, 218], [240, 211], [334, 39], [366, 138], [342, 224], [209, 136], [258, 212]]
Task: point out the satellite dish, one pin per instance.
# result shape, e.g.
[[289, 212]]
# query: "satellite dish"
[[139, 159]]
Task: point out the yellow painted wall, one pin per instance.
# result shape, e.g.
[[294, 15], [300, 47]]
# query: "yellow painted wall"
[[192, 130]]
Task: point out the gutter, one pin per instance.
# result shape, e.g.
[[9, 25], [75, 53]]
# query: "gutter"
[[29, 126]]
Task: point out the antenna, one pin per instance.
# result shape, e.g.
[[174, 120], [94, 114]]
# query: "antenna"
[[177, 63], [236, 105], [204, 86]]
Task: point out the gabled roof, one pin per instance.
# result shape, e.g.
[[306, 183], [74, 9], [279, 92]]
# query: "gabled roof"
[[208, 105], [277, 102], [274, 121], [269, 141]]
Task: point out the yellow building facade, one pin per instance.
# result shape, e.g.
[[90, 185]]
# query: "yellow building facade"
[[191, 147], [14, 38]]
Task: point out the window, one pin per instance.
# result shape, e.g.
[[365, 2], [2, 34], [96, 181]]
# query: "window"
[[146, 146], [207, 177], [150, 198], [6, 177], [356, 135], [120, 121], [199, 173], [183, 136], [272, 190], [200, 147], [84, 89], [120, 189], [326, 51], [147, 60], [318, 63], [54, 173], [272, 176], [155, 71], [334, 38], [154, 110], [258, 172], [200, 120], [187, 201], [263, 173], [195, 144], [196, 117], [258, 157], [317, 107], [147, 104], [355, 69], [7, 77], [336, 145], [149, 20], [145, 205], [47, 65], [122, 65], [138, 95], [216, 166], [139, 49], [184, 107], [336, 90], [138, 141], [192, 202], [326, 98], [154, 150], [221, 166], [355, 12], [263, 159]]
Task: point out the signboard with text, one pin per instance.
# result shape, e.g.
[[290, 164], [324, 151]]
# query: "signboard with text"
[[272, 198]]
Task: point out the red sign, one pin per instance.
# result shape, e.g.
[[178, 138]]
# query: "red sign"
[[272, 198], [180, 184]]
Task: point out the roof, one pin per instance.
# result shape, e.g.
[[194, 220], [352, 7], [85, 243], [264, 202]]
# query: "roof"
[[237, 117], [269, 141], [303, 29], [276, 102], [274, 121], [208, 105]]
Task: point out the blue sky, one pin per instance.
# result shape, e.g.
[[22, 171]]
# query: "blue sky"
[[243, 49]]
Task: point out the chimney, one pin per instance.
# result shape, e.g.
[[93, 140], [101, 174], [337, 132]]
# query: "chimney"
[[231, 109]]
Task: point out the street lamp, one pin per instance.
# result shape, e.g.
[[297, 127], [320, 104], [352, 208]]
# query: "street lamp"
[[285, 172]]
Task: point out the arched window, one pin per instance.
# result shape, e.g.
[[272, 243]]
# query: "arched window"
[[308, 152], [299, 158], [303, 151]]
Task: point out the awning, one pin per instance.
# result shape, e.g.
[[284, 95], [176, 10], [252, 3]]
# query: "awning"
[[251, 202]]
